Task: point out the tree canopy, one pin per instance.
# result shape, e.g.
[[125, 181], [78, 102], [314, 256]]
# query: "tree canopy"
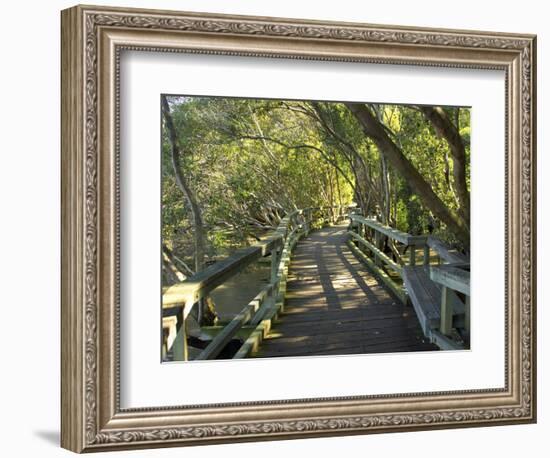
[[232, 168]]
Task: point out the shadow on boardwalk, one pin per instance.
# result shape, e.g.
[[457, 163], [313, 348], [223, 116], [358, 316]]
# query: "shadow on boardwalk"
[[334, 305]]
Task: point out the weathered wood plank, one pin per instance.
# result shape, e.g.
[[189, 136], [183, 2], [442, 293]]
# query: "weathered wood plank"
[[451, 277], [299, 312], [297, 315], [446, 311], [445, 252], [220, 341], [426, 296], [375, 334], [402, 237], [342, 328], [388, 281], [346, 348], [334, 305], [200, 284], [379, 254]]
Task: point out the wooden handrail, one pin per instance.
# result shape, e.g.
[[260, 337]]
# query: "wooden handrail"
[[401, 237], [186, 294], [382, 256], [444, 252], [202, 283], [270, 308], [452, 276]]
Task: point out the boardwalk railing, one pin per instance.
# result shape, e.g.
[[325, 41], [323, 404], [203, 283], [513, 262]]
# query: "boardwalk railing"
[[453, 279], [436, 282], [180, 299], [368, 235]]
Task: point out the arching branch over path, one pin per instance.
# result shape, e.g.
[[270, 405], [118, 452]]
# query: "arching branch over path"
[[375, 130], [446, 129]]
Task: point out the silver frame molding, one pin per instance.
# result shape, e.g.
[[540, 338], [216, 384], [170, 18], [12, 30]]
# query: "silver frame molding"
[[92, 39]]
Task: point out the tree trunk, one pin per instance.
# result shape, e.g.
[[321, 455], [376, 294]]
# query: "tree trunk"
[[373, 129], [338, 191], [206, 312], [446, 129], [385, 211]]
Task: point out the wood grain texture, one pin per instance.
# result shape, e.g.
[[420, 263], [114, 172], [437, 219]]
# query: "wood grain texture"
[[425, 296], [334, 305]]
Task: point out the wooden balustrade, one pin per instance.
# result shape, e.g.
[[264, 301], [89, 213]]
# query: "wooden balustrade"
[[453, 278], [438, 307], [181, 298], [378, 261], [430, 289]]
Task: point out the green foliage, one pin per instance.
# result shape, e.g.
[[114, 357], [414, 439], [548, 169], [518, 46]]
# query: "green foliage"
[[251, 161]]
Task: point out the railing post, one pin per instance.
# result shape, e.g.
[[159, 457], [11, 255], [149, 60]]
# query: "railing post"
[[426, 254], [185, 347], [467, 314], [181, 352], [275, 256], [446, 311], [412, 258], [377, 245]]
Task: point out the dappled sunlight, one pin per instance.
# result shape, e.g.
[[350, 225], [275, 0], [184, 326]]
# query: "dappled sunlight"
[[335, 306], [280, 334], [269, 183]]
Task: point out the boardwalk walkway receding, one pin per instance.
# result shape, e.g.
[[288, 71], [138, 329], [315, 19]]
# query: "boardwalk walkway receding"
[[346, 288], [334, 305]]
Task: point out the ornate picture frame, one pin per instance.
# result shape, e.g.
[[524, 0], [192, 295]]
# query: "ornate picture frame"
[[92, 40]]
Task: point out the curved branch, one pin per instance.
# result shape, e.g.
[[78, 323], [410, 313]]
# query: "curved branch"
[[207, 313], [373, 129], [446, 129], [302, 146]]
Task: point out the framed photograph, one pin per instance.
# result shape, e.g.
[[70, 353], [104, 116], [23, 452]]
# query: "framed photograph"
[[278, 228]]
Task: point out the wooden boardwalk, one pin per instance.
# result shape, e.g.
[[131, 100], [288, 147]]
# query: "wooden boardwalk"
[[334, 305]]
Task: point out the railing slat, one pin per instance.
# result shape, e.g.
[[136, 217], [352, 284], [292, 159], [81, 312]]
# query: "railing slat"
[[444, 252], [200, 284], [227, 333], [447, 279], [402, 237], [398, 290], [451, 276], [279, 244], [393, 265]]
